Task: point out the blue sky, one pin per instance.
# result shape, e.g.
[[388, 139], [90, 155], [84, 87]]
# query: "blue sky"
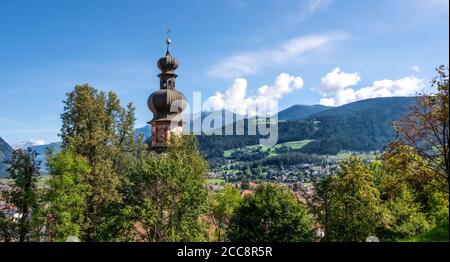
[[294, 51]]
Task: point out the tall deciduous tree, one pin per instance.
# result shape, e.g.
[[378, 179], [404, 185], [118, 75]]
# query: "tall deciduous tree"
[[168, 193], [221, 207], [271, 214], [351, 208], [426, 127], [95, 126], [402, 176], [66, 195]]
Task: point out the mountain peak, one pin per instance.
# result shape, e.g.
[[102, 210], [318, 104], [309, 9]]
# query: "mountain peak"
[[299, 112], [5, 154], [27, 144]]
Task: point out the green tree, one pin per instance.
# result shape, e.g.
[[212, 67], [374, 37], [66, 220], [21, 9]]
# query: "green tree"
[[353, 209], [95, 126], [426, 129], [271, 214], [405, 184], [320, 202], [66, 195], [408, 220], [222, 205], [168, 193], [7, 228], [24, 172]]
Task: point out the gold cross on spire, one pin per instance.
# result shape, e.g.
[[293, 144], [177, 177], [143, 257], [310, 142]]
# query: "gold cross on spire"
[[168, 41], [168, 32]]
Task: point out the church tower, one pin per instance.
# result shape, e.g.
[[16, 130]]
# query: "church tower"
[[166, 104]]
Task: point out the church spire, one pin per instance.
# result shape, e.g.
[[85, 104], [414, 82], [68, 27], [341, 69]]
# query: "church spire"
[[167, 103], [168, 41], [167, 64]]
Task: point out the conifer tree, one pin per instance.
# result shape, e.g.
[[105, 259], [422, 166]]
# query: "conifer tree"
[[24, 172]]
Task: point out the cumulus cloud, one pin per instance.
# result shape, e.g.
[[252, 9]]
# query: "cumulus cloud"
[[336, 80], [407, 86], [235, 99], [415, 68], [248, 63]]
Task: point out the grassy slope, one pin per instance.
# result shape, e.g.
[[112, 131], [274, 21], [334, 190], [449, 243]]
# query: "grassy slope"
[[215, 180], [292, 144]]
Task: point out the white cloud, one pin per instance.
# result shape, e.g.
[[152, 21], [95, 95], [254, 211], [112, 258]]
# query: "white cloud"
[[415, 68], [235, 99], [248, 63], [38, 142], [26, 144], [407, 86], [337, 80]]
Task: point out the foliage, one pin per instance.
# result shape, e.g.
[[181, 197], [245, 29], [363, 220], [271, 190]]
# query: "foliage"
[[437, 234], [426, 128], [168, 193], [403, 169], [222, 205], [351, 207], [95, 126], [271, 214], [408, 220], [7, 229], [66, 195], [24, 172]]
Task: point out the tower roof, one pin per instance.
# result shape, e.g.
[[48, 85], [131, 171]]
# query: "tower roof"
[[167, 63], [166, 103]]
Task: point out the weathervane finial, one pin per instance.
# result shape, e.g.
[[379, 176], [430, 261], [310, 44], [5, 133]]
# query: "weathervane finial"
[[168, 41], [168, 32]]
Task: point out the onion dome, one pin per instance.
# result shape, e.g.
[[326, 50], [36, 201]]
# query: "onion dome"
[[167, 63], [166, 103]]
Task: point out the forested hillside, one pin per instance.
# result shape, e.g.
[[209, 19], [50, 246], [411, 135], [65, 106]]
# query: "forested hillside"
[[300, 112], [361, 126]]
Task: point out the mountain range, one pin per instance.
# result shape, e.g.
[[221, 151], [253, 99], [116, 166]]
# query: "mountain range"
[[298, 112], [5, 154], [360, 126], [365, 125]]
